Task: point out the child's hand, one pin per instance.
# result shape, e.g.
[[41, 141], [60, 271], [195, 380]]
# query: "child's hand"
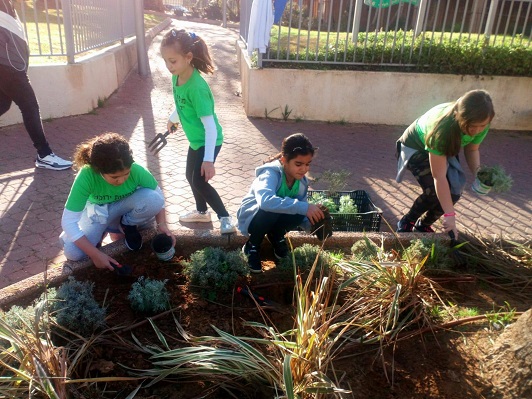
[[449, 223], [314, 213], [163, 228], [207, 170], [104, 261], [171, 126]]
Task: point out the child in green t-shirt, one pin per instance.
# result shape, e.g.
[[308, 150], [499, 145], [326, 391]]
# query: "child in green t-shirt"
[[277, 200], [110, 194], [186, 55], [429, 148]]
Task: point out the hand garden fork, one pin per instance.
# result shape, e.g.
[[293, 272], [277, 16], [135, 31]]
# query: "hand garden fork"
[[159, 141]]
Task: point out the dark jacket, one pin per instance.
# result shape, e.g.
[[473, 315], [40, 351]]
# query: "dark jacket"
[[14, 51]]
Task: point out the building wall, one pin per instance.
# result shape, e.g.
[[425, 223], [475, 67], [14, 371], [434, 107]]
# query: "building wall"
[[387, 98]]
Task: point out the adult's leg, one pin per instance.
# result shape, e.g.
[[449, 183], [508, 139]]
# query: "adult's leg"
[[203, 192], [276, 225], [16, 86]]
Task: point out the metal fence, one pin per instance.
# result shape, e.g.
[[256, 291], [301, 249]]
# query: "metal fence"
[[211, 9], [308, 28], [65, 28]]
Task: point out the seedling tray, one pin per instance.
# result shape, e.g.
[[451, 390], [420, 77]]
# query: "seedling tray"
[[368, 217]]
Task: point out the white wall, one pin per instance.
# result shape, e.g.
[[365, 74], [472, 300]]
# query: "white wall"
[[376, 97]]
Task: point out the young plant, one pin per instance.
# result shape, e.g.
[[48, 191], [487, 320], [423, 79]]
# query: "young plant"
[[495, 177], [436, 252], [347, 205], [305, 256], [321, 198], [149, 296], [214, 270], [75, 308], [286, 113], [365, 250]]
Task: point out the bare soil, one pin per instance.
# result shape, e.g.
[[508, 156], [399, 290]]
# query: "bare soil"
[[439, 364]]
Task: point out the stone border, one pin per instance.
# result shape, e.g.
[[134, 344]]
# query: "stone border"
[[191, 238]]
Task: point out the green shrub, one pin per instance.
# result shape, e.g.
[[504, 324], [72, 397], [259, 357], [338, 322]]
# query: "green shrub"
[[424, 53], [149, 296], [75, 308], [305, 256], [214, 270], [321, 198], [436, 250], [365, 250], [347, 205]]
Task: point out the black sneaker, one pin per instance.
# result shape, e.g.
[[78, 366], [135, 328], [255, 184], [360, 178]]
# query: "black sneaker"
[[252, 253], [421, 228], [280, 247], [133, 239], [405, 225]]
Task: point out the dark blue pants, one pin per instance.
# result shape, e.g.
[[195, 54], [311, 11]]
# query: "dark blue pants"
[[275, 225], [15, 87]]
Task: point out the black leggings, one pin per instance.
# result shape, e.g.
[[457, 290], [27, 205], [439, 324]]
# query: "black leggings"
[[275, 225], [203, 192], [15, 87], [426, 207]]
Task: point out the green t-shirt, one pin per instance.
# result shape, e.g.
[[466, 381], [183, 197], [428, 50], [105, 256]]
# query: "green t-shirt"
[[91, 186], [193, 100], [426, 123], [286, 192]]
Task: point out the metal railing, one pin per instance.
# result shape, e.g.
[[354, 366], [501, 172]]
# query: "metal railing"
[[66, 28], [323, 31]]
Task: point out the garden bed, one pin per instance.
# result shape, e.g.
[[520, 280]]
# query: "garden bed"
[[446, 363]]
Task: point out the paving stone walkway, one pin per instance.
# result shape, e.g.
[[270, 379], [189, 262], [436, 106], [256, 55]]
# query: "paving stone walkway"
[[31, 200]]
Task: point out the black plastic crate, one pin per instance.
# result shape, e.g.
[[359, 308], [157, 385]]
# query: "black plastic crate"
[[368, 217]]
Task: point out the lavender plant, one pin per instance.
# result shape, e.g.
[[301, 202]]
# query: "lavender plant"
[[149, 296]]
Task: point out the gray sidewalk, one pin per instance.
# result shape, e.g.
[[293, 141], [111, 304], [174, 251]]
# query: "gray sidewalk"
[[31, 200]]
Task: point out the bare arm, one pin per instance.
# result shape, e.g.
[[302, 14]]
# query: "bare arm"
[[438, 168], [472, 156]]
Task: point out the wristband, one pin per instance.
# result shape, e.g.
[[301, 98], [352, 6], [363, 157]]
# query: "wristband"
[[447, 215]]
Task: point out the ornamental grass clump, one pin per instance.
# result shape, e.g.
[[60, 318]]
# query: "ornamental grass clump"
[[149, 296], [365, 250], [214, 270], [75, 308], [495, 177]]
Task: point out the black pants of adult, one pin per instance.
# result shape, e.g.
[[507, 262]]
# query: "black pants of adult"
[[426, 207], [203, 192], [15, 87], [275, 225]]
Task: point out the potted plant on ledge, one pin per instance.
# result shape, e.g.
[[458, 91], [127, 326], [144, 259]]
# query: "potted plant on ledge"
[[491, 178]]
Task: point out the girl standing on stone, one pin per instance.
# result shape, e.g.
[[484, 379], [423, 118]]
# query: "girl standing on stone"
[[186, 56]]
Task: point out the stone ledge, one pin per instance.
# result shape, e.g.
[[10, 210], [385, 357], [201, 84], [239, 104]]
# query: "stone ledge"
[[190, 238]]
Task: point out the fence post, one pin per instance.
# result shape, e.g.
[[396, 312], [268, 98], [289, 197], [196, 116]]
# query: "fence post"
[[69, 30], [224, 18], [491, 19], [420, 17], [356, 20], [142, 54]]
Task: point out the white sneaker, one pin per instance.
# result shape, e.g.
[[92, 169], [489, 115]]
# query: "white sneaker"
[[195, 216], [53, 162], [226, 225]]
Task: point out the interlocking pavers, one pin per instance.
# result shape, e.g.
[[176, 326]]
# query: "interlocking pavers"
[[31, 200]]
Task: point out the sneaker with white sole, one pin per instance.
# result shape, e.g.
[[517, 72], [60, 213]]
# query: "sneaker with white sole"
[[252, 254], [226, 225], [195, 217], [52, 162]]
